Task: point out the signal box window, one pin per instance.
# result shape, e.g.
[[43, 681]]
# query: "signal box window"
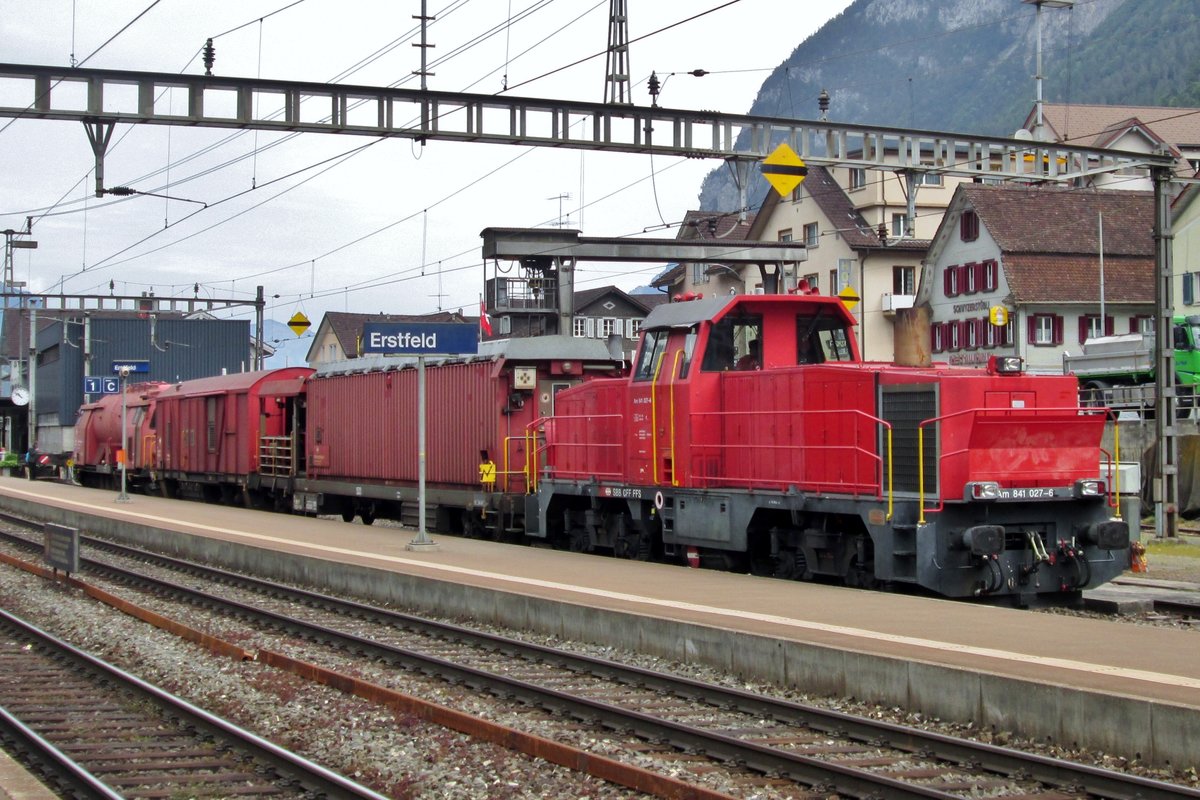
[[654, 344], [729, 343]]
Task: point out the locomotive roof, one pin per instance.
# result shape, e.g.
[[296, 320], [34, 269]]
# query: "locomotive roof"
[[692, 312]]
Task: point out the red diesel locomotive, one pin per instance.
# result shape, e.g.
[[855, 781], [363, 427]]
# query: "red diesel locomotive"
[[748, 435]]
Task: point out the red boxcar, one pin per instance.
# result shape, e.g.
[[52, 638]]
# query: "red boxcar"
[[362, 433], [210, 431]]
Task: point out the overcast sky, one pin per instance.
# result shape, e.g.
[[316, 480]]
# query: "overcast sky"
[[355, 234]]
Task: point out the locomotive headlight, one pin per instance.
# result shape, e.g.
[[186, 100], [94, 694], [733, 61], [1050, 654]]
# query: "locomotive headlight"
[[1005, 365], [1089, 488], [984, 490]]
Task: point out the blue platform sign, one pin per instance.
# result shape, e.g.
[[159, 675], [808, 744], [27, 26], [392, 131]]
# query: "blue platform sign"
[[131, 365], [420, 338], [94, 384]]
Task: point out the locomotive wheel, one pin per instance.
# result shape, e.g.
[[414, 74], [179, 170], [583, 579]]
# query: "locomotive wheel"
[[578, 541], [790, 565]]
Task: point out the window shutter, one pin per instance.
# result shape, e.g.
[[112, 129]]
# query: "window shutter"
[[1108, 326], [1058, 329], [948, 279], [1133, 324], [991, 276], [1031, 329], [960, 272], [1083, 328], [1188, 298]]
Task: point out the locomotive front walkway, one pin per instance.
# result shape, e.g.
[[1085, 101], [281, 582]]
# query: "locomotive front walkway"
[[1122, 688]]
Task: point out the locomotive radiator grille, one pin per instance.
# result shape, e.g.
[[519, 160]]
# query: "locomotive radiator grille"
[[904, 408]]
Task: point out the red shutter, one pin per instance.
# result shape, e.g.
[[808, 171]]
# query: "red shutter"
[[1083, 328], [1058, 329], [947, 278], [1108, 326], [980, 277], [960, 272], [1133, 324], [1031, 329]]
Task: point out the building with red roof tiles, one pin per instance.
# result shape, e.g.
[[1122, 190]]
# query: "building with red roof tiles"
[[1035, 252]]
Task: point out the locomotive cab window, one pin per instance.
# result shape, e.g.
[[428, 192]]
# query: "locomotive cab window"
[[820, 338], [654, 344], [734, 343]]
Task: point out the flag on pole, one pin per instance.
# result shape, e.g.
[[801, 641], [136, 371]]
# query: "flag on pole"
[[485, 322]]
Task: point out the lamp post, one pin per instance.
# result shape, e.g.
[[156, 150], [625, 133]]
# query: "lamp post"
[[1039, 132]]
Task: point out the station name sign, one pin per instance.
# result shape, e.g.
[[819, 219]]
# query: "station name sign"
[[420, 338]]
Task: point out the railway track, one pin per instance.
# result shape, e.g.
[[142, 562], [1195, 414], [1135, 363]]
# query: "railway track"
[[769, 742], [96, 731]]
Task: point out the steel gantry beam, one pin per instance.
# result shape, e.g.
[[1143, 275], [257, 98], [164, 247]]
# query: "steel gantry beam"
[[101, 97]]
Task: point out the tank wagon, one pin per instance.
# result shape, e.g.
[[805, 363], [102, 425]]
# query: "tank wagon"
[[750, 436], [98, 437]]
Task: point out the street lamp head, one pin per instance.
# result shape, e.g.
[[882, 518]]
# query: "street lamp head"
[[1050, 3]]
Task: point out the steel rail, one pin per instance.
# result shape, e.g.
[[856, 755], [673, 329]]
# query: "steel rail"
[[309, 774], [1001, 760]]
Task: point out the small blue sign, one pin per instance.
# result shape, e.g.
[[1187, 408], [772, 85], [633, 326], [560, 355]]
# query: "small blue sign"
[[420, 338], [101, 385], [131, 365]]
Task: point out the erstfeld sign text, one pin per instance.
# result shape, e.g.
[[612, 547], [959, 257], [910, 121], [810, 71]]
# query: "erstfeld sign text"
[[420, 338]]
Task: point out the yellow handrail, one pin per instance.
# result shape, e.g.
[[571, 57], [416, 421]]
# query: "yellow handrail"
[[654, 422], [889, 469], [674, 459]]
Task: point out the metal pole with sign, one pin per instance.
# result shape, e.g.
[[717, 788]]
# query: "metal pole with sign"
[[420, 339]]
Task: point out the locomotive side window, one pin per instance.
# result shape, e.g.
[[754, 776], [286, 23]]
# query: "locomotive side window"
[[654, 343], [819, 339], [729, 343], [689, 349]]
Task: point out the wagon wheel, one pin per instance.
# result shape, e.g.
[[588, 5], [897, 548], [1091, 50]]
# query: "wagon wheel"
[[348, 514], [368, 515]]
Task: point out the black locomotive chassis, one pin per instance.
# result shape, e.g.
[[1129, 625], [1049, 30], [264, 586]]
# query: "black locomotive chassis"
[[965, 549]]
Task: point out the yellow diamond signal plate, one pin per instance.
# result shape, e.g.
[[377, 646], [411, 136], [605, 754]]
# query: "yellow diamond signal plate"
[[849, 297], [299, 323], [784, 169]]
